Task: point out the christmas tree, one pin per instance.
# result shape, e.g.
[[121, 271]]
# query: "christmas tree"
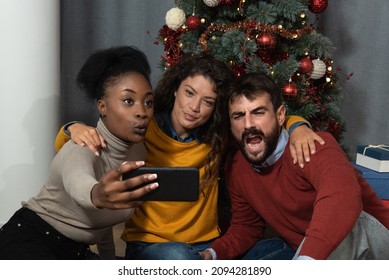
[[269, 36]]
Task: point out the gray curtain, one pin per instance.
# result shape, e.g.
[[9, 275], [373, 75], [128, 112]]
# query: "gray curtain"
[[89, 25], [358, 29]]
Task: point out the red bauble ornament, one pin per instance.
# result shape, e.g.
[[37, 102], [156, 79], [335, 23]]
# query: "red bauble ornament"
[[239, 69], [266, 40], [306, 65], [193, 22], [289, 91], [318, 6]]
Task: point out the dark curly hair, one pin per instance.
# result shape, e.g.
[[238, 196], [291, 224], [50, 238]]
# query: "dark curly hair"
[[104, 67], [191, 65]]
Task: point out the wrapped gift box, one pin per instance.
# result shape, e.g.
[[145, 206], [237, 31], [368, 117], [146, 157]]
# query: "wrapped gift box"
[[373, 157], [379, 181]]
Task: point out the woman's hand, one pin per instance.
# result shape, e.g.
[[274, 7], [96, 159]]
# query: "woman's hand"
[[113, 193], [84, 135], [302, 144]]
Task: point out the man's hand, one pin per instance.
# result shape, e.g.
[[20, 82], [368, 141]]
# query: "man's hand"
[[113, 193], [205, 255]]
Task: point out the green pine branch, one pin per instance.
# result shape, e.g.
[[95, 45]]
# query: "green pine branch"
[[289, 9], [285, 69]]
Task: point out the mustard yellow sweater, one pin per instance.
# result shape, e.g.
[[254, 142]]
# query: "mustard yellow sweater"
[[188, 222]]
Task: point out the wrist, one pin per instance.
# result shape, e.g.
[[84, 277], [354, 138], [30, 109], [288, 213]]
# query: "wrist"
[[94, 197], [205, 255], [66, 127]]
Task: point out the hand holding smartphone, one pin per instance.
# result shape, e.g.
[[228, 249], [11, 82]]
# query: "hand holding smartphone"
[[175, 183]]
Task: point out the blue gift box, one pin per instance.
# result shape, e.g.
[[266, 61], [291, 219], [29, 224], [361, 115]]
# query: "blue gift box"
[[379, 181], [380, 152], [375, 157]]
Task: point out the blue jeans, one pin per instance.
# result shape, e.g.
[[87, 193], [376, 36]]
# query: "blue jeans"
[[270, 249], [267, 249], [164, 251]]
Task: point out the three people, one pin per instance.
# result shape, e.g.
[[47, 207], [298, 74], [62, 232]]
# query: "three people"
[[183, 133]]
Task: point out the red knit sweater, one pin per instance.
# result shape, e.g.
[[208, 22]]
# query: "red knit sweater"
[[321, 202]]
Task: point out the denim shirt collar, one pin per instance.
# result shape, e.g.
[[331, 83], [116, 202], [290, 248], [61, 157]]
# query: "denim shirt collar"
[[165, 123], [281, 144]]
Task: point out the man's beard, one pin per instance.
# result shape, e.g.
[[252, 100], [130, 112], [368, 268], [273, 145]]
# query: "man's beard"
[[270, 142]]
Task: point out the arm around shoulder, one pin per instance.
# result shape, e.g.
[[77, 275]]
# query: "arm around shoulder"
[[61, 139]]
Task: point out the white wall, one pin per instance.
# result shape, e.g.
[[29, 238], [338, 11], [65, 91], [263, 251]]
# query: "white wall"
[[29, 93]]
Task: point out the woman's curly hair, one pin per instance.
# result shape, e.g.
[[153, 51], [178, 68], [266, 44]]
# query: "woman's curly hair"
[[214, 70]]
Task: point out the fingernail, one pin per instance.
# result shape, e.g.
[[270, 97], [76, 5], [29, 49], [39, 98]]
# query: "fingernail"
[[97, 154], [124, 162], [139, 163], [308, 159], [153, 186], [152, 176], [301, 165]]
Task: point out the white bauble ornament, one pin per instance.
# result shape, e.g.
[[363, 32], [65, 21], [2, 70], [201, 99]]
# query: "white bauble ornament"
[[319, 69], [211, 3], [175, 18]]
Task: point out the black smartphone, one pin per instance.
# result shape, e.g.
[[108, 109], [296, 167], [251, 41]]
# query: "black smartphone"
[[175, 183]]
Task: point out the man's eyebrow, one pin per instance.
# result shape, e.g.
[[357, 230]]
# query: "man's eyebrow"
[[237, 113], [261, 107]]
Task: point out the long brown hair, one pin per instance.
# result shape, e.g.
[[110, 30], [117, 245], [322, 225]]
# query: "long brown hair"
[[214, 70]]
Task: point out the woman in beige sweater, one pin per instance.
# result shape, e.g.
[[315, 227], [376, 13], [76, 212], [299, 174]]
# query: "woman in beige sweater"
[[84, 196]]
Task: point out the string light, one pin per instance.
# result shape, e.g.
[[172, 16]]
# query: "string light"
[[277, 29]]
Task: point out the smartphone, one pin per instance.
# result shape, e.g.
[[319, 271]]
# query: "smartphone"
[[175, 183]]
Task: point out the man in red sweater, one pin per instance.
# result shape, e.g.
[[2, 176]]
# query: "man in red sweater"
[[325, 210]]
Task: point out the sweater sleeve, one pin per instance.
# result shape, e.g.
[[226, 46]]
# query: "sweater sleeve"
[[338, 202], [291, 121], [63, 136], [78, 173], [246, 226], [61, 139]]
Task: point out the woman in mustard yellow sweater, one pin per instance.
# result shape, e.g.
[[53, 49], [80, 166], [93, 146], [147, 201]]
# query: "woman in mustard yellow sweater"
[[182, 133]]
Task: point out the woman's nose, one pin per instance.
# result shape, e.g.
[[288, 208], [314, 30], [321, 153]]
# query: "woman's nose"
[[195, 105], [141, 112]]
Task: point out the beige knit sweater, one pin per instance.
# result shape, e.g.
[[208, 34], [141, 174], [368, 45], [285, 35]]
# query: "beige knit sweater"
[[64, 201]]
